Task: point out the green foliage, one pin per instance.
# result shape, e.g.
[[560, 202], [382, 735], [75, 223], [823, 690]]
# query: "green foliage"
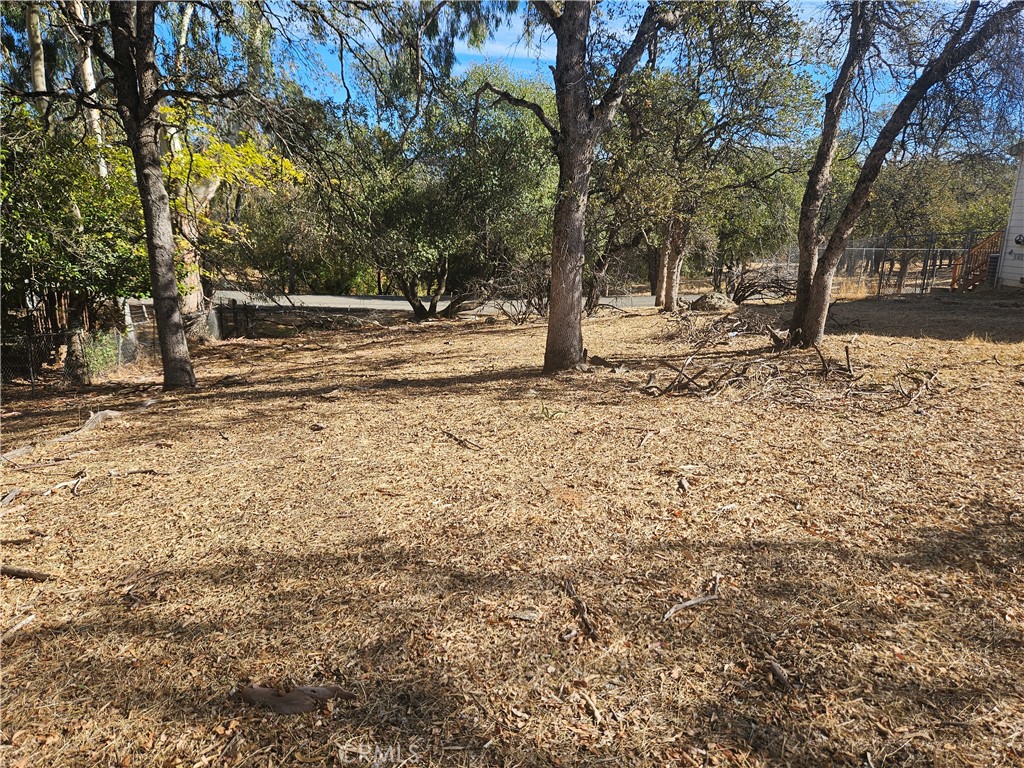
[[931, 194], [102, 351], [435, 205], [757, 216], [63, 225], [205, 155], [704, 137]]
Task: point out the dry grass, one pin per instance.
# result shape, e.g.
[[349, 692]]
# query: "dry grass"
[[397, 511], [852, 288]]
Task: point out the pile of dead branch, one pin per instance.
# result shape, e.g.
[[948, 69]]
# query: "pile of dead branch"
[[699, 332], [796, 377]]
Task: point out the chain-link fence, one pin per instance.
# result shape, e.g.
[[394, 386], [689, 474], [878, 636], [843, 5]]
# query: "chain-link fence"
[[36, 358], [895, 264]]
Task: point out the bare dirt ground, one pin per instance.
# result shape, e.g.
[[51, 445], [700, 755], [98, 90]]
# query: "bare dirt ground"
[[398, 510]]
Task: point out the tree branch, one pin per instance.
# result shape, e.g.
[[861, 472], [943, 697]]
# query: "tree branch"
[[549, 13], [654, 19], [515, 101], [206, 98]]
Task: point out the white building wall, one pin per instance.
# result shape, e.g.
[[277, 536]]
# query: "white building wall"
[[1011, 265]]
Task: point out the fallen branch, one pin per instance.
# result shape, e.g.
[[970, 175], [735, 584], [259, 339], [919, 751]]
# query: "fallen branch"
[[462, 441], [829, 366], [38, 464], [305, 698], [11, 496], [73, 484], [582, 612], [20, 625], [826, 369], [24, 573], [618, 309], [592, 706], [17, 453], [779, 342], [118, 473], [923, 384], [95, 420], [713, 595], [780, 676]]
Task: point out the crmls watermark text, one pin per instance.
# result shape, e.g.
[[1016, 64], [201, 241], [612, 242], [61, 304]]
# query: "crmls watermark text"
[[377, 755]]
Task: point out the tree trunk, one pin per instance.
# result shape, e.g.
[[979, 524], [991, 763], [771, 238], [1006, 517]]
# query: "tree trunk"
[[809, 330], [174, 354], [653, 257], [565, 334], [663, 269], [197, 195], [598, 283], [34, 25], [672, 251], [410, 290], [85, 70], [675, 247], [861, 35], [136, 83], [582, 119], [564, 347], [75, 367], [197, 198]]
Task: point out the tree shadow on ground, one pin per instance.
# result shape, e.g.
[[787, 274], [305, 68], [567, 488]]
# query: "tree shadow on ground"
[[416, 632], [987, 316], [840, 637], [144, 653]]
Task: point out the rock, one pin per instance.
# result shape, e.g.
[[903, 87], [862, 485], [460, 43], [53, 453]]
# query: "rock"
[[528, 615], [713, 302], [305, 698]]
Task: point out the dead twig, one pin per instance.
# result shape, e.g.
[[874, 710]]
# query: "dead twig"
[[711, 596], [582, 611], [623, 312], [24, 573], [20, 625], [592, 706], [780, 675], [826, 369], [462, 441], [73, 484], [922, 381], [11, 496]]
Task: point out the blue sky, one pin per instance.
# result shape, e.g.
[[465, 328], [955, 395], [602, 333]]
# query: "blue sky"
[[510, 47], [528, 57], [531, 58]]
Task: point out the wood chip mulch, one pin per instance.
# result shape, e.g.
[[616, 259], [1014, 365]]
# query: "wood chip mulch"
[[691, 552]]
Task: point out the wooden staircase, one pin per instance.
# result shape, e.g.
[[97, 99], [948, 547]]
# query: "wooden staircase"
[[973, 269]]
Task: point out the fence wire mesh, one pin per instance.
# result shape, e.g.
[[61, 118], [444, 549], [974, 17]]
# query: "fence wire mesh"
[[35, 358], [895, 264]]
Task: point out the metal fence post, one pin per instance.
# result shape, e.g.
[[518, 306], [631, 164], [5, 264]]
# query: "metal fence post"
[[881, 263], [31, 352], [928, 265]]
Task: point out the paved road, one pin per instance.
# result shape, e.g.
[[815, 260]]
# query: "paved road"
[[382, 303]]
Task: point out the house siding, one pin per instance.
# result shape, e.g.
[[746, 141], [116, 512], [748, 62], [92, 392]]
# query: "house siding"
[[1011, 265]]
